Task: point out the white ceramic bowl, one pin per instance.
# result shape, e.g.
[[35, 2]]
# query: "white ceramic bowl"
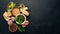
[[22, 15]]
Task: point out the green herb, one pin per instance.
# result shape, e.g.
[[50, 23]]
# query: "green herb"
[[21, 29]]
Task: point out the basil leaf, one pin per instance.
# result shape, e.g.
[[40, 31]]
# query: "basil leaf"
[[21, 29]]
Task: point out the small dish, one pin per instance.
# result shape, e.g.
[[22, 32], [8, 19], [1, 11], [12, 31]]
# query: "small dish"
[[21, 17], [13, 27]]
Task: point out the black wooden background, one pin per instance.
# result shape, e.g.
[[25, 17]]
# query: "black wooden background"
[[44, 16]]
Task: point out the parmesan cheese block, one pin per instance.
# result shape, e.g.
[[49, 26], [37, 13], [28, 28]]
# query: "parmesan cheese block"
[[6, 17], [5, 14]]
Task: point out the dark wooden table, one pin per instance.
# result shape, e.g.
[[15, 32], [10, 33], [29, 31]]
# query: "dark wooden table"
[[44, 16]]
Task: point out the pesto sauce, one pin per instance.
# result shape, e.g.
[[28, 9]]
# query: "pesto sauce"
[[20, 19]]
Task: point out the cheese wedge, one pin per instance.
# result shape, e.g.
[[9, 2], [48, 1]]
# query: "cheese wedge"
[[5, 15], [6, 18]]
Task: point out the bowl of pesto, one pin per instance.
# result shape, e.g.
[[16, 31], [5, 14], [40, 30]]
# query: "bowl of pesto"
[[20, 18]]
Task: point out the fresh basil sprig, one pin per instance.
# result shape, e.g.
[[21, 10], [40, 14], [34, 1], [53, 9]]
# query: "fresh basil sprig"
[[21, 29]]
